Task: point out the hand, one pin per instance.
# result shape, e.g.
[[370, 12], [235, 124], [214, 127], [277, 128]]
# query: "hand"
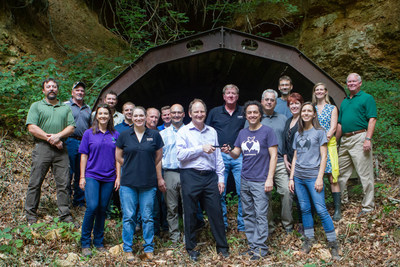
[[291, 186], [221, 188], [53, 139], [319, 185], [59, 145], [367, 145], [208, 149], [226, 148], [328, 136], [288, 166], [269, 185], [161, 185], [117, 183], [82, 183]]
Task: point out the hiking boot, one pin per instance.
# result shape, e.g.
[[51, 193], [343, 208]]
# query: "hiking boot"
[[337, 202], [307, 245], [334, 247], [149, 256], [31, 220], [86, 252]]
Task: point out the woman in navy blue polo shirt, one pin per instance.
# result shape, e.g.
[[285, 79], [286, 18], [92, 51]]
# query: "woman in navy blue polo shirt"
[[139, 151], [100, 173]]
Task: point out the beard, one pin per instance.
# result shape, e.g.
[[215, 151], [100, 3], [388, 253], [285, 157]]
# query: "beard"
[[51, 96]]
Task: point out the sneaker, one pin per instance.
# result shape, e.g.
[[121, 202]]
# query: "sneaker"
[[307, 245], [86, 252], [334, 247], [128, 256], [255, 257], [362, 213], [102, 249]]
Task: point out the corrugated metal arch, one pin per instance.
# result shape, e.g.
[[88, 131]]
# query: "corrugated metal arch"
[[200, 65]]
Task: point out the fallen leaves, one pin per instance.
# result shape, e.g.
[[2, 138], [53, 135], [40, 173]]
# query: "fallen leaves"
[[370, 240]]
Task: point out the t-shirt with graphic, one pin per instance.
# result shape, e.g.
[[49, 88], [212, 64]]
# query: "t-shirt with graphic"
[[254, 145], [308, 146]]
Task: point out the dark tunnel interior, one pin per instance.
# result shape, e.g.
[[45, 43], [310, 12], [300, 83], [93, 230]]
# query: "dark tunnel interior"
[[204, 75]]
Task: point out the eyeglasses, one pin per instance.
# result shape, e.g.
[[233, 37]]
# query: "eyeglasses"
[[177, 112]]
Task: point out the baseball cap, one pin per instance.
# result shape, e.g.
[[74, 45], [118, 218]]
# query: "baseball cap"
[[76, 84]]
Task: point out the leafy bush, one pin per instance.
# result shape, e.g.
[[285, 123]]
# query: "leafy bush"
[[387, 131], [20, 85]]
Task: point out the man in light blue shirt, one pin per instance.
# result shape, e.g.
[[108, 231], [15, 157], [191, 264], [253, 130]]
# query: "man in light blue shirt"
[[285, 87], [170, 165], [202, 177]]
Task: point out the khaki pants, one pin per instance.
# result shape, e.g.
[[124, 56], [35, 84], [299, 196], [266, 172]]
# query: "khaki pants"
[[173, 184], [45, 156], [281, 182], [352, 155]]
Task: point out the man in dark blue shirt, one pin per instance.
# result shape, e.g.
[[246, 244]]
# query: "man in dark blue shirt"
[[81, 113], [127, 111], [228, 120]]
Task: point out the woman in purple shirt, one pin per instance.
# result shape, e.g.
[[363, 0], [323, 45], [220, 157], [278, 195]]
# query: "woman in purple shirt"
[[100, 174]]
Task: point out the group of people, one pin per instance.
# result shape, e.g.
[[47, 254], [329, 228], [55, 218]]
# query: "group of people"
[[280, 142]]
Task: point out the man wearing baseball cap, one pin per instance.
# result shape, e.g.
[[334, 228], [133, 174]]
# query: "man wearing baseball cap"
[[81, 113]]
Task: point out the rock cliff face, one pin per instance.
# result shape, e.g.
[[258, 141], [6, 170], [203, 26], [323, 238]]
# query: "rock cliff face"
[[346, 36], [52, 28]]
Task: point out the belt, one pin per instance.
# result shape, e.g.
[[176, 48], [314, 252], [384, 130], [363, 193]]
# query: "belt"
[[77, 137], [172, 170], [354, 133], [202, 172]]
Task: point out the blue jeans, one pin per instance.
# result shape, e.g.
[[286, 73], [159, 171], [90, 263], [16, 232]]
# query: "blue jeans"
[[97, 196], [306, 193], [234, 166], [74, 168], [130, 198]]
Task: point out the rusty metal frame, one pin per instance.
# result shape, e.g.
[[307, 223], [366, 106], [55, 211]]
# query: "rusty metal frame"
[[228, 39]]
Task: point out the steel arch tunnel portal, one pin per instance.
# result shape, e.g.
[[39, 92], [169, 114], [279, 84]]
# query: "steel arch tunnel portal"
[[201, 65]]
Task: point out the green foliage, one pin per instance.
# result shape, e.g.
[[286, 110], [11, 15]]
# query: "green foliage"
[[148, 23], [387, 130], [225, 11], [20, 85]]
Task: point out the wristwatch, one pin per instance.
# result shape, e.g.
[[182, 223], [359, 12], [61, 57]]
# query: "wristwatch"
[[367, 138]]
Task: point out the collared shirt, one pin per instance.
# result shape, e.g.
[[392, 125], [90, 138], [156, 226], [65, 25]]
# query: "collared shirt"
[[189, 144], [139, 168], [100, 148], [122, 127], [50, 118], [227, 126], [277, 122], [282, 107], [117, 117], [81, 116], [163, 127], [355, 112], [169, 160]]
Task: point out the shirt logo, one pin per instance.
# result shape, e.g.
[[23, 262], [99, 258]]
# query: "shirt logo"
[[240, 117], [149, 139], [251, 146]]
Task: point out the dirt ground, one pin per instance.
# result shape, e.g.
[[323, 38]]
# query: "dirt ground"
[[372, 240]]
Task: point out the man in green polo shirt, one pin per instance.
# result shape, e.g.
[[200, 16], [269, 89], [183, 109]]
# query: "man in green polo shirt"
[[356, 125], [50, 122]]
